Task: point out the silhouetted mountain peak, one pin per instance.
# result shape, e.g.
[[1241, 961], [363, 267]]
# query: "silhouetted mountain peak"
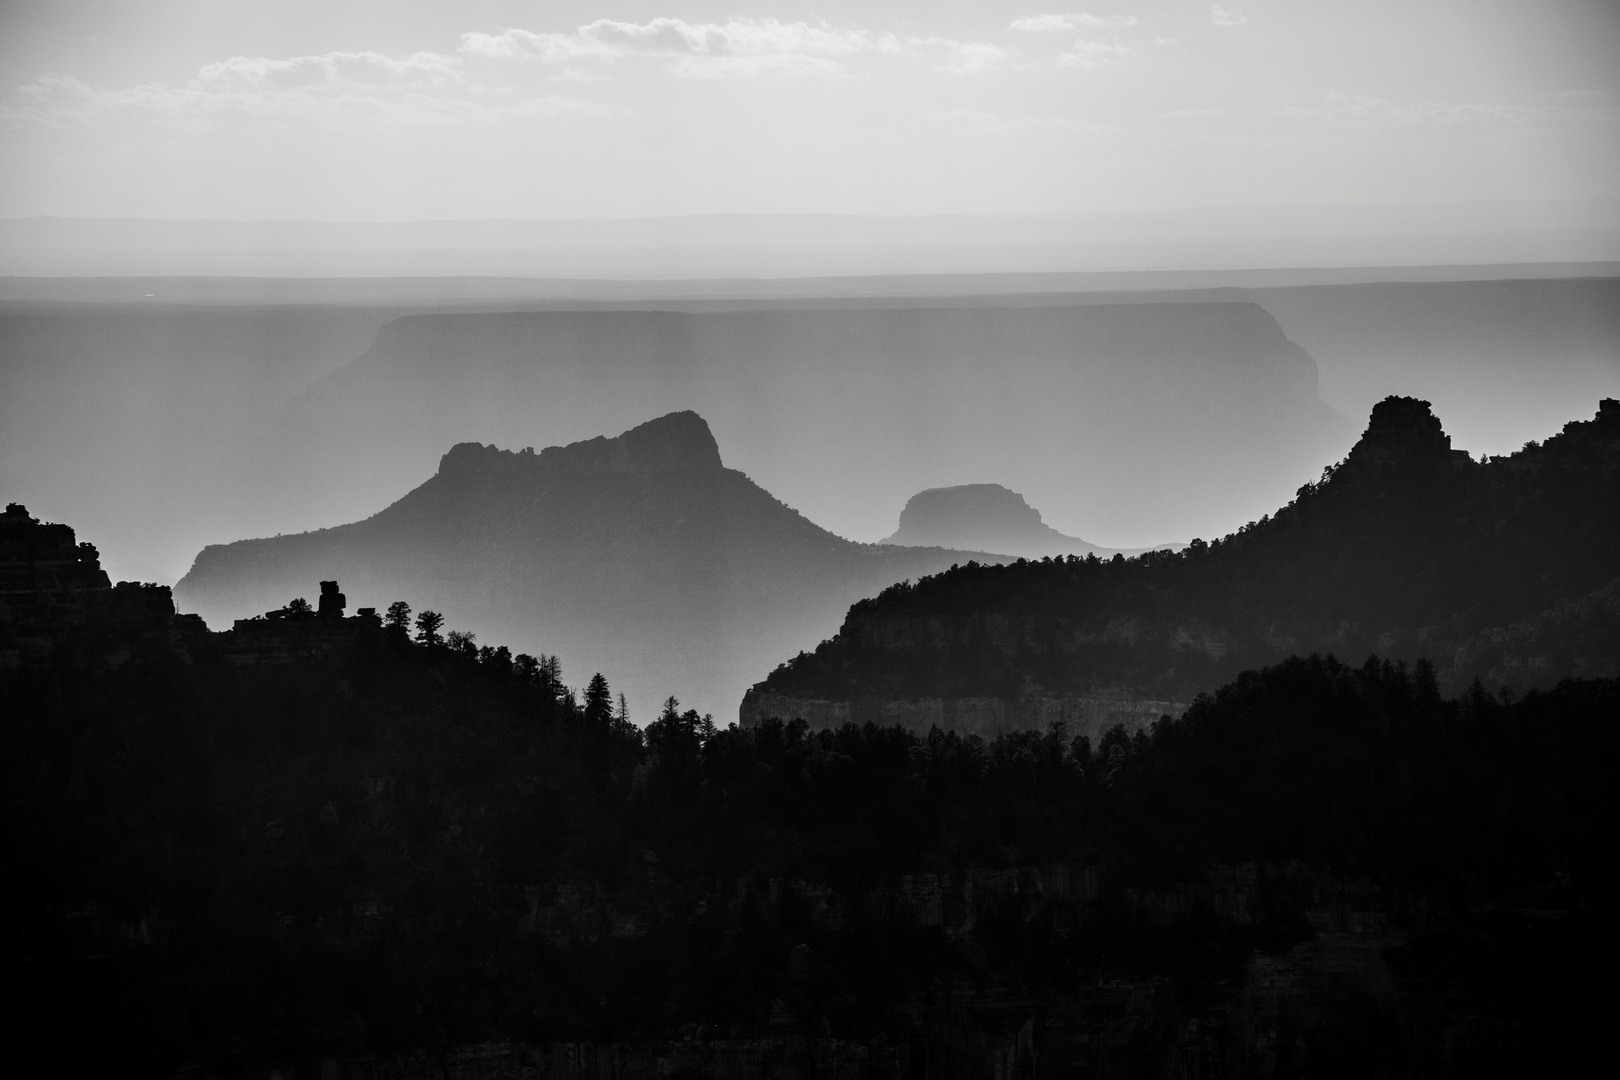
[[1402, 432], [678, 442]]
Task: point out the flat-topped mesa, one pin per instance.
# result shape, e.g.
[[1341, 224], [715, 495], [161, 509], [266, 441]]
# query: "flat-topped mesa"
[[1403, 432], [940, 511], [678, 442], [982, 517]]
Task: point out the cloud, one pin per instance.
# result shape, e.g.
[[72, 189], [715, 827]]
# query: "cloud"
[[1189, 114], [1071, 20], [1226, 16], [1055, 123], [332, 69], [287, 94], [1581, 95], [350, 89], [1088, 53], [984, 121], [737, 48], [962, 116], [961, 57], [1367, 111]]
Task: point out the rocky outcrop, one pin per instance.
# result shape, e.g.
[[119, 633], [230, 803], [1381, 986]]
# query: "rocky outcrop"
[[1403, 433], [55, 597], [265, 640], [56, 602]]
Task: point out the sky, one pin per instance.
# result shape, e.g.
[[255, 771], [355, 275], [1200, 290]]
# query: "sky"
[[405, 110]]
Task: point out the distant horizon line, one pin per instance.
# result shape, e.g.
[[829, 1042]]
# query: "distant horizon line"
[[1593, 202]]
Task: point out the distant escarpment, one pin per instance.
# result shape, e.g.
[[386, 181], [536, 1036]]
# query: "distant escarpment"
[[1505, 569], [843, 412], [641, 554], [985, 517]]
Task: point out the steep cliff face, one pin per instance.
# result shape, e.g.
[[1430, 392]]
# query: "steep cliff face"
[[1407, 549], [641, 555]]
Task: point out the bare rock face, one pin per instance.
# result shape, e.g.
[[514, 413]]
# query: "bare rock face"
[[1403, 433], [982, 517]]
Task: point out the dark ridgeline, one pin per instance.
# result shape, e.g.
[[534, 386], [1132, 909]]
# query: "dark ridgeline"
[[313, 843], [640, 554], [1506, 569]]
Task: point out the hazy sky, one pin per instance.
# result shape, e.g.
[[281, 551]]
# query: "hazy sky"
[[485, 108]]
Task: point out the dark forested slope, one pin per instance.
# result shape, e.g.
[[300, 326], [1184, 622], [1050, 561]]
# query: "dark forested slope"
[[402, 860], [1504, 568]]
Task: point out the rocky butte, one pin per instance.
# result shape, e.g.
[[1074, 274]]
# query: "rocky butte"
[[985, 517], [1507, 569], [641, 555]]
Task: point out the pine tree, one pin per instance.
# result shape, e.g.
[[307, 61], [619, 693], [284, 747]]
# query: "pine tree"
[[427, 627], [598, 700], [549, 676], [399, 616]]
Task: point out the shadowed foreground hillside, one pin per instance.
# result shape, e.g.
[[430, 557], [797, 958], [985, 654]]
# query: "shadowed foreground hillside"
[[1507, 569], [310, 845], [642, 553]]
